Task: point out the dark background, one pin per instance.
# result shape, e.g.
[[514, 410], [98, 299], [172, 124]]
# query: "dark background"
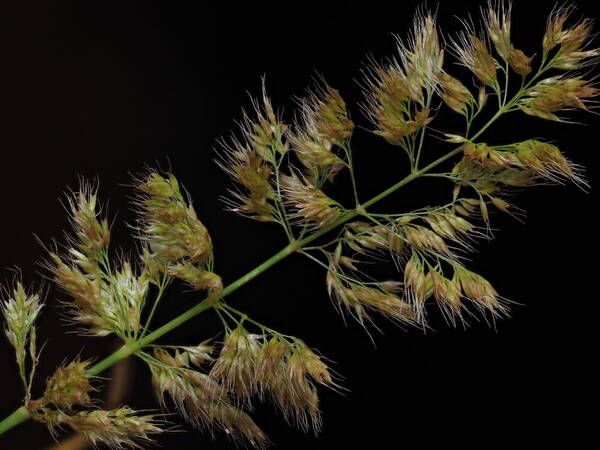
[[101, 89]]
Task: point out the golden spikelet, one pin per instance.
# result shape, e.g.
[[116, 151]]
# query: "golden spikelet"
[[324, 124], [498, 24], [473, 53], [168, 224], [69, 386], [312, 207], [574, 41], [556, 94], [248, 161]]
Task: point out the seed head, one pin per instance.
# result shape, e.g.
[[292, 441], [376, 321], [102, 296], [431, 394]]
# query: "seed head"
[[448, 295], [196, 277], [248, 161], [455, 94], [479, 291], [235, 367], [87, 306], [324, 123], [69, 386], [168, 224], [20, 312], [573, 52], [118, 428], [547, 162], [312, 206], [473, 53], [559, 93]]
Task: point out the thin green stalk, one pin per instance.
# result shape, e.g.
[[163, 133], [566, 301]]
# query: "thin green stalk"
[[20, 415]]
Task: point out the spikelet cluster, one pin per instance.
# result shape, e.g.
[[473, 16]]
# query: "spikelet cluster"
[[422, 281], [455, 94], [324, 124], [532, 157], [282, 369], [69, 386], [393, 88], [358, 298], [118, 428], [249, 161], [472, 52], [311, 205], [20, 312], [556, 94], [498, 24], [177, 242], [573, 42], [68, 390]]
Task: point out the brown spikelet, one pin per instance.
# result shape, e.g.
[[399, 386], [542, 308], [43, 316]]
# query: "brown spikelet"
[[168, 224], [391, 88], [117, 429], [196, 277], [235, 367], [68, 386], [418, 286], [249, 160], [559, 93], [87, 306], [324, 124], [574, 41], [479, 291], [473, 53], [547, 162], [455, 94], [311, 205], [498, 24]]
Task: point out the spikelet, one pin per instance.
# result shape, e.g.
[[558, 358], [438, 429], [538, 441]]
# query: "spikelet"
[[286, 372], [559, 93], [248, 161], [448, 295], [498, 24], [477, 289], [196, 277], [88, 306], [418, 286], [69, 386], [573, 52], [118, 428], [473, 53], [489, 158], [390, 88], [448, 225], [362, 237], [425, 239], [547, 162], [324, 123], [20, 312], [455, 94], [168, 224], [422, 55], [200, 399], [358, 298], [92, 235], [312, 206], [128, 293], [235, 367]]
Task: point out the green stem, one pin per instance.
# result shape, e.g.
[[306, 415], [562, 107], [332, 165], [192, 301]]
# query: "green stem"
[[18, 416]]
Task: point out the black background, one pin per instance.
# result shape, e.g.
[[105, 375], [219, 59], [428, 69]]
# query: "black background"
[[101, 89]]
